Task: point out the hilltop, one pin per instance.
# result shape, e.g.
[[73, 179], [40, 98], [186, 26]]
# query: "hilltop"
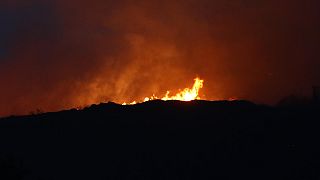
[[164, 140]]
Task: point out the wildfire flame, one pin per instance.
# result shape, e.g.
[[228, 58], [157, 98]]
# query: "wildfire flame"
[[186, 94]]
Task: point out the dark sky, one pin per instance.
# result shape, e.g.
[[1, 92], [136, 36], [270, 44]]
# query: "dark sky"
[[57, 54]]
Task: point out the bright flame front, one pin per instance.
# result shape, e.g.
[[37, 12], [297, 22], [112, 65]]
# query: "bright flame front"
[[185, 95]]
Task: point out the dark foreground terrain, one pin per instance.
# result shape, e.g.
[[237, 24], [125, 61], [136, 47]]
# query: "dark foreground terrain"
[[164, 140]]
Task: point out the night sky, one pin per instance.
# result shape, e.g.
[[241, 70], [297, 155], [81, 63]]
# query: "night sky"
[[57, 54]]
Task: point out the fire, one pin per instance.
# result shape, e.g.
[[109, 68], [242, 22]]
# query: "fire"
[[187, 94]]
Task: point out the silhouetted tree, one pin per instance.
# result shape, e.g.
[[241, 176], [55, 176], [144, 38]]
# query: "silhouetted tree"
[[294, 100]]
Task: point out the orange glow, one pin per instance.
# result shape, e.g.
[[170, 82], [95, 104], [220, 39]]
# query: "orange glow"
[[185, 95]]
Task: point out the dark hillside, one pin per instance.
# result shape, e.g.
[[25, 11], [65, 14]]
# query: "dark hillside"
[[165, 140]]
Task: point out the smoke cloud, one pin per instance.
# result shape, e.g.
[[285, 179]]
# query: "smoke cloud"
[[57, 54]]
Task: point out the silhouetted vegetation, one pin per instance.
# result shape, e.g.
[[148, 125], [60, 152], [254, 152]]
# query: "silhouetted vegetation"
[[295, 101], [168, 140]]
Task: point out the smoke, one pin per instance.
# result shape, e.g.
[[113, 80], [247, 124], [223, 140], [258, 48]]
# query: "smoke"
[[67, 53]]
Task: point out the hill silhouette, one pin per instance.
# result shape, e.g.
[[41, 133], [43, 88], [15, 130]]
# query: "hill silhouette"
[[165, 140]]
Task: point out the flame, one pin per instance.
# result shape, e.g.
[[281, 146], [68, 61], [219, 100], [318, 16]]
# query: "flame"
[[186, 94]]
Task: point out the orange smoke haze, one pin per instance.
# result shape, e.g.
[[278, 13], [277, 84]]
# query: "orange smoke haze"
[[59, 54]]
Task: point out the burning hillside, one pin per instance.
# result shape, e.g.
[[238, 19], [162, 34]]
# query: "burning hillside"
[[187, 94]]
